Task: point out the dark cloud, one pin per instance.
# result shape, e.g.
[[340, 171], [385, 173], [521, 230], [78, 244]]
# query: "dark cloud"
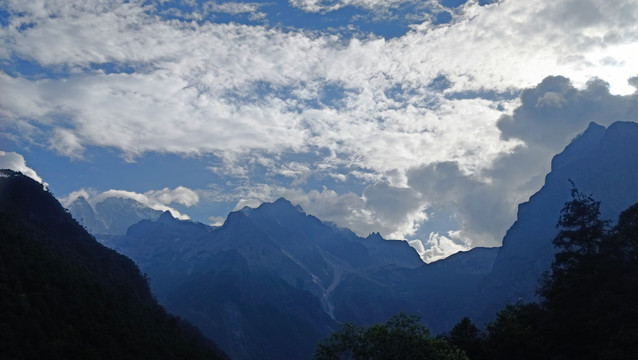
[[395, 212], [479, 206], [440, 182], [393, 204], [553, 112]]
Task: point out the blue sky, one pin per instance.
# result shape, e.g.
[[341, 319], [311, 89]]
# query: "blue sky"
[[427, 121]]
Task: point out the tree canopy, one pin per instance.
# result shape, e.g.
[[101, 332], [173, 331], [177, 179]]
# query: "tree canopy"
[[401, 337]]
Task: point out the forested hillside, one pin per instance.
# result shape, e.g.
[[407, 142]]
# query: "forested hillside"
[[65, 296]]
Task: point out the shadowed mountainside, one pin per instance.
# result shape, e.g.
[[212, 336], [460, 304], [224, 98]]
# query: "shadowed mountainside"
[[64, 295]]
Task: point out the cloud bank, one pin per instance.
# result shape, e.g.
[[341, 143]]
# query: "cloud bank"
[[14, 161]]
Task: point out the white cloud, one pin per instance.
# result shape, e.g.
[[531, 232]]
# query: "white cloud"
[[66, 201], [179, 195], [196, 88], [298, 171], [14, 161], [398, 210], [440, 246], [328, 6], [345, 210], [216, 220], [66, 142], [235, 8], [157, 200]]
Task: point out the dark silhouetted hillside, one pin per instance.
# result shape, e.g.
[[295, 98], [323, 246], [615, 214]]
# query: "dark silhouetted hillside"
[[63, 295]]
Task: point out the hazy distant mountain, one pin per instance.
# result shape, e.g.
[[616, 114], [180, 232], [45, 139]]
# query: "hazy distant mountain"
[[66, 296], [111, 216], [441, 292]]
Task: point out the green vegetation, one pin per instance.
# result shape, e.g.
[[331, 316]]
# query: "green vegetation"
[[65, 296]]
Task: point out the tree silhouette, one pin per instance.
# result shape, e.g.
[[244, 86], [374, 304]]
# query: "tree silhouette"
[[516, 333], [468, 337], [591, 293], [582, 231]]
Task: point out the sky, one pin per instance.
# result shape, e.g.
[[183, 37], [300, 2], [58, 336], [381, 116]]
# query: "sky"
[[426, 121]]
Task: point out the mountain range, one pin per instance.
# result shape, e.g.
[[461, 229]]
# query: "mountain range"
[[273, 280], [263, 280]]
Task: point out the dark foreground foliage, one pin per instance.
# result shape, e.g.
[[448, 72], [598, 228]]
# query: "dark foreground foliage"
[[401, 337], [591, 295], [65, 296]]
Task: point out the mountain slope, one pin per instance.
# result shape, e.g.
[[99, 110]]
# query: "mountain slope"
[[64, 295]]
